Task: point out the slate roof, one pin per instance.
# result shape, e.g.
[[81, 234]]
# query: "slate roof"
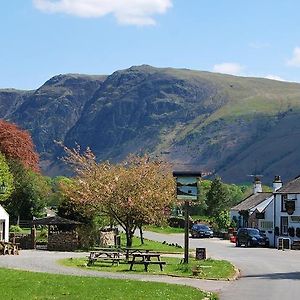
[[292, 187], [54, 221], [252, 201]]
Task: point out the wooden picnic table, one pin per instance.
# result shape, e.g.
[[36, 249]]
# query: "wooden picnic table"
[[9, 248], [104, 255], [145, 258]]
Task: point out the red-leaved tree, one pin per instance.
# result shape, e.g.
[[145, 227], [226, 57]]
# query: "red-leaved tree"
[[16, 144]]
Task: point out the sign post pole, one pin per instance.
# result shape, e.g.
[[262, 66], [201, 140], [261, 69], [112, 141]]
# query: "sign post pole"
[[187, 189], [186, 233]]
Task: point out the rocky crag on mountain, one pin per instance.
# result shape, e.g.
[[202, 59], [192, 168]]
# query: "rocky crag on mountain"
[[228, 125]]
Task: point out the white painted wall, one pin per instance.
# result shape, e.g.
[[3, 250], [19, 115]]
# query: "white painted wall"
[[267, 224], [4, 221], [279, 213]]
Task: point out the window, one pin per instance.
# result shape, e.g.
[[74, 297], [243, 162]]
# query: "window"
[[284, 224], [283, 199]]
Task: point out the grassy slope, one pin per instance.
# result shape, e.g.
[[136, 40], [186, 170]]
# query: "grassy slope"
[[27, 285]]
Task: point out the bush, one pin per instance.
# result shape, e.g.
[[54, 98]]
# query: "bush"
[[176, 222], [15, 228], [291, 231]]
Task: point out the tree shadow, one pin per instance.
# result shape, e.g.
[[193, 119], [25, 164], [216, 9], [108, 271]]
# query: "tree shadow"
[[288, 275]]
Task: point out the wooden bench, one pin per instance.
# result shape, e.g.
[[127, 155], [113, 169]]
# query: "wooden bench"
[[296, 245], [146, 264], [145, 259], [111, 256], [9, 248]]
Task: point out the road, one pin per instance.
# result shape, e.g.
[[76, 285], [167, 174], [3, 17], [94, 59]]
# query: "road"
[[265, 273]]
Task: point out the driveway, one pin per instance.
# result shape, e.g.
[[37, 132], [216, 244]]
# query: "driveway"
[[265, 273]]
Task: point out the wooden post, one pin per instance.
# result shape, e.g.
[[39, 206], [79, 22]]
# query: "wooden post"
[[186, 233], [33, 237]]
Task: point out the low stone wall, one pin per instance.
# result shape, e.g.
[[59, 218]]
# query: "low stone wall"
[[25, 241], [63, 241]]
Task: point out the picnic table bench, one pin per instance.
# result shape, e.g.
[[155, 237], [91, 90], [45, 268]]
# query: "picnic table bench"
[[9, 248], [110, 256], [145, 259]]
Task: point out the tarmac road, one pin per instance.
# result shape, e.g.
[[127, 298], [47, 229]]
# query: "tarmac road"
[[265, 273]]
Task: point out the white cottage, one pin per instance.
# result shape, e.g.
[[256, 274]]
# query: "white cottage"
[[257, 210], [4, 225], [287, 211]]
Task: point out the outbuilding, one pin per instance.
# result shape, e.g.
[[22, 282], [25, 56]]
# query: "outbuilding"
[[4, 225]]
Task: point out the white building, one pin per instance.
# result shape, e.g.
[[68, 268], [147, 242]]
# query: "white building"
[[4, 225], [257, 210], [287, 211]]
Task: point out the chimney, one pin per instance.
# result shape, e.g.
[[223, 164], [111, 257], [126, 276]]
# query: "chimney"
[[277, 183], [257, 188]]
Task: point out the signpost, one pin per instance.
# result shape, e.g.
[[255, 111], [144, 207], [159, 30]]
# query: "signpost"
[[187, 190]]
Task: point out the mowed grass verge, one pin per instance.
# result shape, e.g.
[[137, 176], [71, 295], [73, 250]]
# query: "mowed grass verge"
[[28, 285], [163, 229], [209, 269], [150, 245]]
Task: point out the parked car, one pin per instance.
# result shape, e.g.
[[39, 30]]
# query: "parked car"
[[201, 230], [251, 237]]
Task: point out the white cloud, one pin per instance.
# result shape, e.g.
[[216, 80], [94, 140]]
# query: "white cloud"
[[228, 68], [295, 60], [135, 12], [275, 77]]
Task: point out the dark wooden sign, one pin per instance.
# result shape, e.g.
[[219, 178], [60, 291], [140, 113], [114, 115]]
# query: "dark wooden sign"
[[200, 253]]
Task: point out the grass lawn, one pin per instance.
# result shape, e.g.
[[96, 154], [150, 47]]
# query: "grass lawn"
[[150, 245], [210, 269], [163, 229], [20, 285]]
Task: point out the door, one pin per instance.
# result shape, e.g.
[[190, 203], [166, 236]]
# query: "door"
[[284, 225]]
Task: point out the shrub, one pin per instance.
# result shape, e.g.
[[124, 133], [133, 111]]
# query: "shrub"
[[176, 222], [15, 228], [291, 231]]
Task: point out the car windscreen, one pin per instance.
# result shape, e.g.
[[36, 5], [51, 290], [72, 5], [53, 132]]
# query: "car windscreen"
[[202, 227], [253, 231]]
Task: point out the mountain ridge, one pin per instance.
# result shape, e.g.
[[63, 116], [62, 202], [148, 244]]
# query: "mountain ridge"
[[226, 124]]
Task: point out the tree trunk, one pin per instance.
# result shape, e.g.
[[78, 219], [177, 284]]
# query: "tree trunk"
[[141, 235], [129, 236]]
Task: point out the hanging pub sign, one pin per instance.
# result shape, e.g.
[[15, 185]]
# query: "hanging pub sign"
[[290, 207], [187, 185]]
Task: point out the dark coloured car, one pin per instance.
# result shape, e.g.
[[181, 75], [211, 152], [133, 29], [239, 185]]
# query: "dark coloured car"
[[251, 237], [201, 230]]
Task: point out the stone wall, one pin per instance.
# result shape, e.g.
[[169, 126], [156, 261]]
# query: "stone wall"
[[63, 241], [107, 238], [25, 241]]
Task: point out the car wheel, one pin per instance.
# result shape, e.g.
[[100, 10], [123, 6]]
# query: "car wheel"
[[248, 244]]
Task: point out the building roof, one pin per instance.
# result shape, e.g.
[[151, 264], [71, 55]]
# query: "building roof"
[[252, 201], [56, 220], [292, 187]]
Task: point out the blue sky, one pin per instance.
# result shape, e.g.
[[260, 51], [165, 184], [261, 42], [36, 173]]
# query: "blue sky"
[[43, 38]]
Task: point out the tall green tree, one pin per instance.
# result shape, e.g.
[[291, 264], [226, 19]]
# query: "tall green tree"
[[6, 179], [30, 193], [218, 198]]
